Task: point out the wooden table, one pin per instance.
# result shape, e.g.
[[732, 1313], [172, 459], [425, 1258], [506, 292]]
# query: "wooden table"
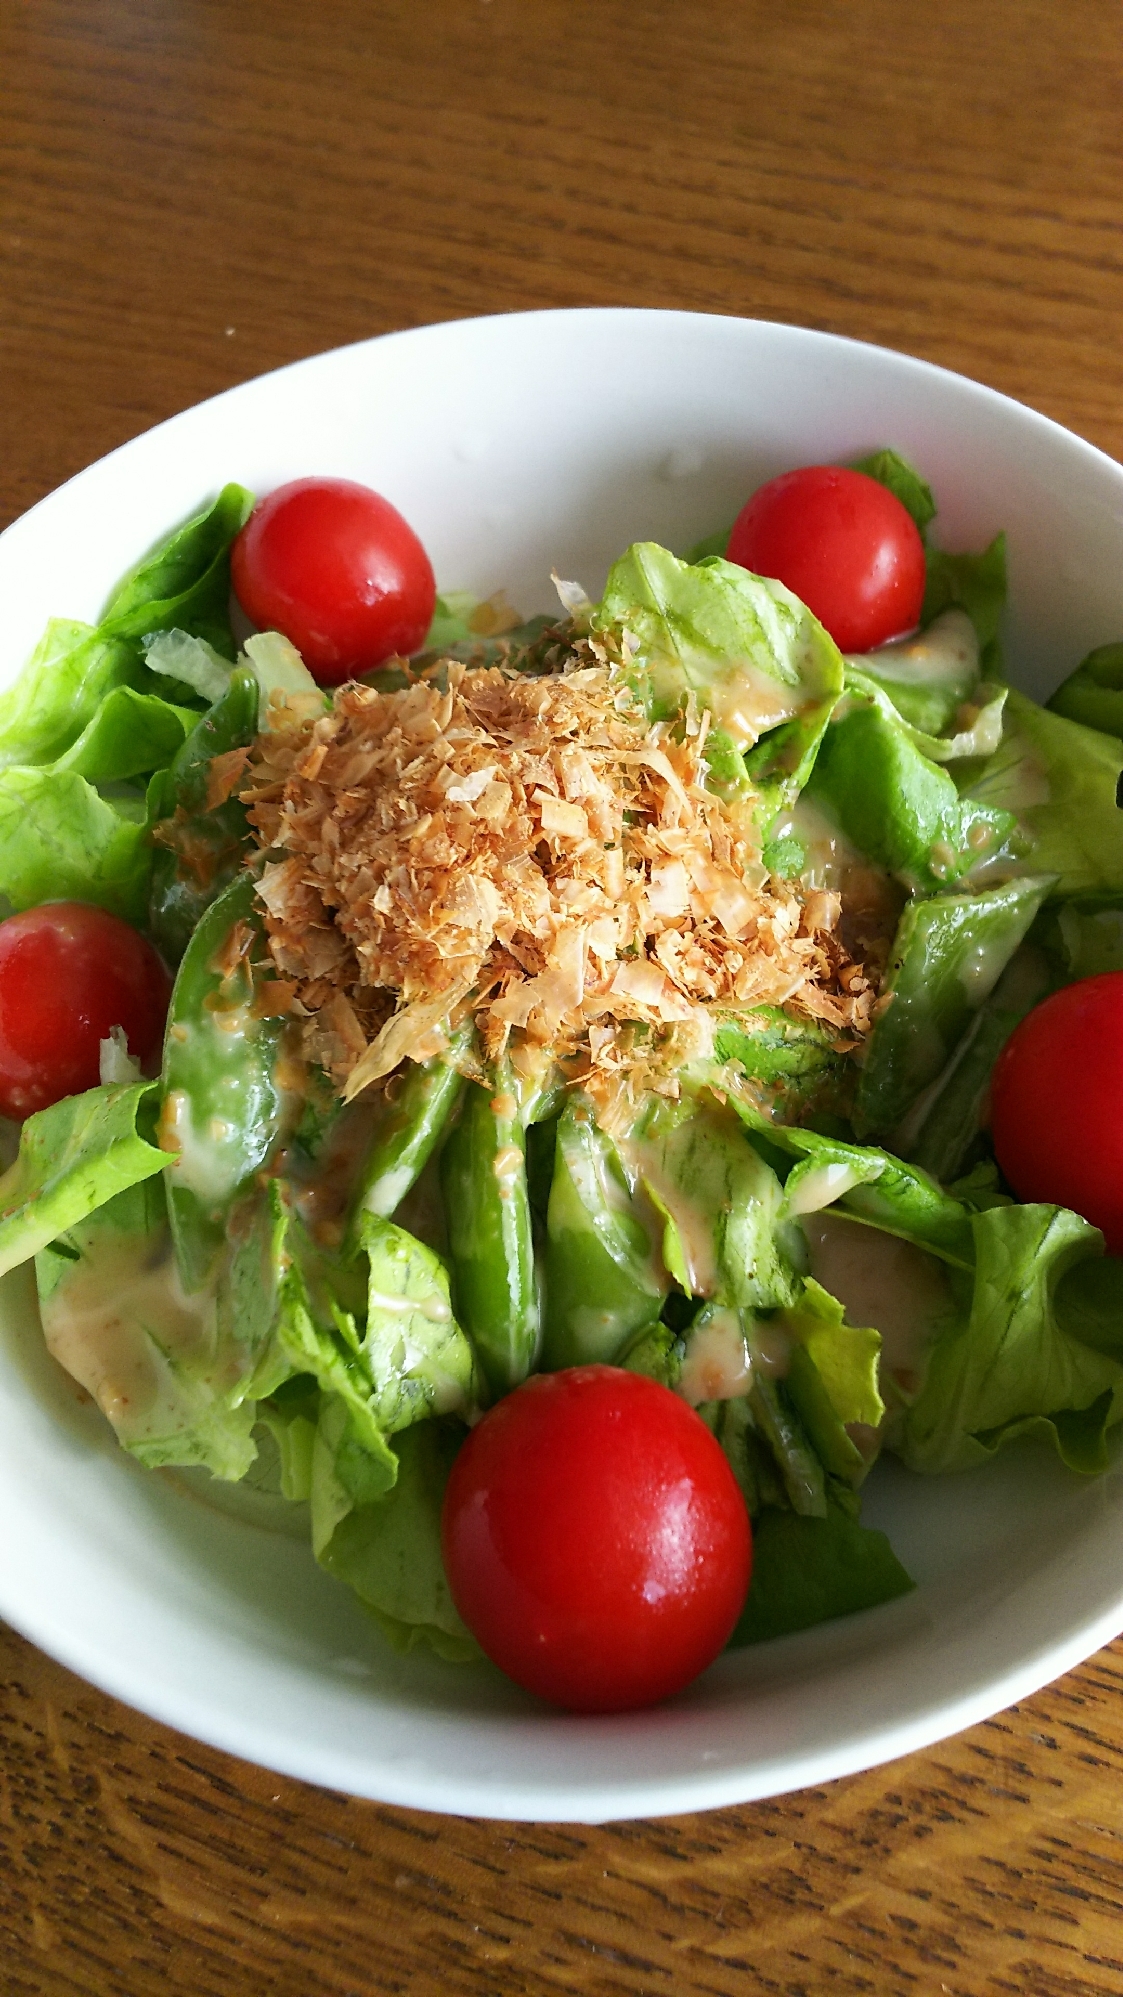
[[197, 191]]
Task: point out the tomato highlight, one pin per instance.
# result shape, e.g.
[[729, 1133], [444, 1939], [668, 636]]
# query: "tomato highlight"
[[844, 544], [68, 974], [595, 1539], [334, 567]]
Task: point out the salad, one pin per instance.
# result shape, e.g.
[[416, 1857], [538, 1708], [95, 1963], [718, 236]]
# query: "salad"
[[575, 1030]]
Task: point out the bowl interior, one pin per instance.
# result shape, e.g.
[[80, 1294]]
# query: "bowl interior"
[[516, 446]]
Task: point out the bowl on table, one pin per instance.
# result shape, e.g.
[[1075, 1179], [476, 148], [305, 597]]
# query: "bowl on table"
[[517, 445]]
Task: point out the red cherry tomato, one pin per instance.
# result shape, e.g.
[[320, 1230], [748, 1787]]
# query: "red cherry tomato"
[[844, 544], [68, 972], [595, 1540], [336, 568], [1057, 1104]]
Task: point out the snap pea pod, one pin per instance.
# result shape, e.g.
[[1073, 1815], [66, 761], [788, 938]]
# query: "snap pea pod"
[[222, 1109], [410, 1118], [207, 846], [604, 1282], [483, 1182]]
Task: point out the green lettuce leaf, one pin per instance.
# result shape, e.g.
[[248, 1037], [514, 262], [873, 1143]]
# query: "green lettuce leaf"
[[976, 584], [955, 1111], [897, 805], [927, 679], [867, 1184], [602, 1281], [72, 1158], [190, 662], [60, 689], [177, 1376], [794, 1063], [810, 1570], [720, 1200], [1060, 780], [60, 841], [419, 1359], [844, 1356], [1093, 694], [130, 735], [947, 956], [904, 482], [1081, 938], [184, 584], [387, 1547], [744, 645], [222, 1106], [1008, 1365]]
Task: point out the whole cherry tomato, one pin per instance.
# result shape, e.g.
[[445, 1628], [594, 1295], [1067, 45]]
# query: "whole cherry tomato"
[[336, 568], [69, 972], [845, 545], [1057, 1104], [595, 1539]]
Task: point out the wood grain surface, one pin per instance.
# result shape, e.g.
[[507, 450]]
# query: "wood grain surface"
[[196, 191]]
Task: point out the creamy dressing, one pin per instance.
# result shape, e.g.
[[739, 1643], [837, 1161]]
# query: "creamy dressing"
[[821, 1186], [981, 969], [882, 1282], [946, 654], [718, 1365], [831, 856], [433, 1307], [121, 1324], [747, 702]]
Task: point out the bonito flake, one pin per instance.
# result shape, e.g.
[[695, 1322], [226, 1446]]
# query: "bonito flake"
[[532, 850]]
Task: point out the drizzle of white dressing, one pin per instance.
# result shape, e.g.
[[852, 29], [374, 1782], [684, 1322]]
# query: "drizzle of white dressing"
[[432, 1307], [830, 854], [822, 1186], [946, 653], [115, 1063], [121, 1326], [891, 1285], [204, 1163], [982, 967], [746, 702], [718, 1365], [507, 1163]]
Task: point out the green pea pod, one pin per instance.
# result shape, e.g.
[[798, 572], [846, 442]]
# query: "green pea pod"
[[483, 1181], [222, 1103], [188, 874], [410, 1118], [604, 1282], [796, 1460]]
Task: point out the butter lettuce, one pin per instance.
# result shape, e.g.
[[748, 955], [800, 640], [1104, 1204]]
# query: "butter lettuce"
[[177, 1376], [61, 840], [947, 956], [747, 648], [810, 1570], [898, 806], [1093, 694], [57, 695], [72, 1158], [1060, 781], [184, 584], [1009, 1364], [387, 1545]]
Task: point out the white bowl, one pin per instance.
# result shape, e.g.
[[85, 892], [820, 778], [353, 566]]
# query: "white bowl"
[[516, 445]]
